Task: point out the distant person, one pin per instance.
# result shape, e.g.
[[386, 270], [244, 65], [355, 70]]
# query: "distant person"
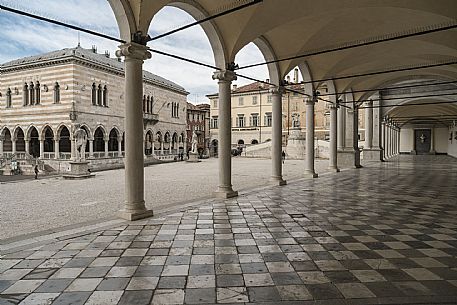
[[283, 156], [36, 171]]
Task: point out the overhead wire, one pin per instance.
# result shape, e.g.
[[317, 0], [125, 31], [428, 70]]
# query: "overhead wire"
[[405, 97]]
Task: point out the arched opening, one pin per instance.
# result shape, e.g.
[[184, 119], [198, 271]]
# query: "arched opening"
[[88, 135], [99, 140], [148, 143], [7, 143], [113, 143], [167, 141], [123, 142], [64, 140], [48, 139], [158, 143], [214, 146], [174, 144], [20, 140], [34, 144], [240, 142], [254, 141]]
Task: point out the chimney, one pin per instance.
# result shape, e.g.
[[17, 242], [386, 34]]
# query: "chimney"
[[234, 87], [296, 76], [94, 49], [288, 79], [107, 55]]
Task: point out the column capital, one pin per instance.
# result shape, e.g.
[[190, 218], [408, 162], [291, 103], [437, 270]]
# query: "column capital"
[[224, 76], [133, 50], [369, 103], [334, 106], [310, 100], [276, 90]]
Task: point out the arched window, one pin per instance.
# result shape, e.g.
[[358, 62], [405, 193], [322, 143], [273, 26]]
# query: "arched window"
[[147, 105], [8, 98], [94, 94], [151, 101], [99, 140], [105, 96], [37, 93], [99, 95], [56, 93], [144, 103], [25, 94], [31, 94]]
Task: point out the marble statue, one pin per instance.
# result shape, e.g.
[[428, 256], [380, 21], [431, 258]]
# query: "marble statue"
[[194, 142], [80, 137]]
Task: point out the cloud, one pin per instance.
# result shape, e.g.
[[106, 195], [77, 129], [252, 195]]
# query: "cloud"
[[39, 37]]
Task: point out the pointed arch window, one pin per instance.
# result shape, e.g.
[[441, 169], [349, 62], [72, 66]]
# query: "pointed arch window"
[[94, 94], [99, 95], [37, 93], [8, 98], [25, 94], [31, 94], [151, 101], [144, 103], [147, 105], [105, 96], [56, 93]]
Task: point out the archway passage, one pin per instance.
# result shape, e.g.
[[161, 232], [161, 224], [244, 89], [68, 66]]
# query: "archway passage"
[[113, 143], [34, 144], [7, 143], [214, 147], [64, 142], [48, 139], [99, 140], [254, 141], [20, 140], [148, 143], [240, 142]]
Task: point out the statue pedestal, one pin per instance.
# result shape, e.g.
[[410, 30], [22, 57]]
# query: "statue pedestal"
[[79, 170], [296, 145], [193, 157]]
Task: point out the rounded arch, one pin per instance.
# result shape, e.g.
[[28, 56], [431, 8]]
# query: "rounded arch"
[[254, 141], [88, 130], [20, 139], [194, 9], [240, 142], [149, 141], [268, 53]]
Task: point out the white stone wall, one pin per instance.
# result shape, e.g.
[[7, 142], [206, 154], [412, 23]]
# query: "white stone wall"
[[407, 140]]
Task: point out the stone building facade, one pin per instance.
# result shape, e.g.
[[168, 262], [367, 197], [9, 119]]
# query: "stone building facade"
[[252, 114], [44, 97], [198, 120]]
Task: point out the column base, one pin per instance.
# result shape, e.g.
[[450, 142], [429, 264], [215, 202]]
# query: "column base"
[[372, 154], [334, 169], [278, 181], [134, 215], [311, 174], [224, 193], [193, 158], [348, 159]]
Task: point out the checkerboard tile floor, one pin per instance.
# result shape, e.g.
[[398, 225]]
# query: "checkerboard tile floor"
[[385, 234]]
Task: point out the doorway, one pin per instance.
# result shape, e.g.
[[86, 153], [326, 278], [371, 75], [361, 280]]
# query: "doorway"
[[422, 141]]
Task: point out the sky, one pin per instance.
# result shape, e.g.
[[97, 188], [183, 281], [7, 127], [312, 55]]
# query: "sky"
[[22, 36]]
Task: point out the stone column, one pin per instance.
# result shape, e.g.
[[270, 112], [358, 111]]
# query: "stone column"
[[2, 138], [276, 136], [106, 148], [119, 146], [333, 149], [341, 127], [153, 148], [91, 148], [383, 140], [369, 125], [134, 207], [309, 169], [170, 148], [224, 189], [389, 140], [161, 148], [185, 146], [13, 149], [355, 137], [56, 148], [399, 142], [41, 148], [73, 149], [432, 140], [27, 146]]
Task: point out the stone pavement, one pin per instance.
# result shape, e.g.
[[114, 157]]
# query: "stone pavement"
[[384, 234]]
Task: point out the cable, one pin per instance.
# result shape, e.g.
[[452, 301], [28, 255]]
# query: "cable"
[[391, 37], [404, 97], [253, 2]]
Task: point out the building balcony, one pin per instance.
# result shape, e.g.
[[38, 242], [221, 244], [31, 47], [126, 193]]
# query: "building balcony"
[[150, 118]]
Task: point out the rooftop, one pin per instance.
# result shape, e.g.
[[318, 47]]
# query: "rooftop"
[[89, 55]]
